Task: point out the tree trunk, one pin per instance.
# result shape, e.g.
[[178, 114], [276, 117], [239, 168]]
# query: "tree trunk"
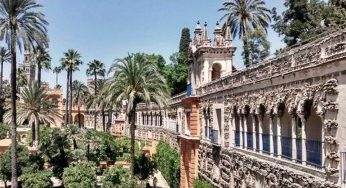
[[39, 70], [14, 178], [37, 131], [67, 98], [95, 88], [79, 119], [1, 74], [133, 139], [33, 138], [103, 120], [70, 111], [56, 79], [246, 53]]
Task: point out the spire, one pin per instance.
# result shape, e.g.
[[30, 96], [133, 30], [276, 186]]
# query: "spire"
[[198, 27], [218, 38], [198, 34], [205, 33], [228, 33], [217, 28]]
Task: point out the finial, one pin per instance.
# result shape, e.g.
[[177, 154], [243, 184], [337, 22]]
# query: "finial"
[[205, 24], [198, 22], [217, 23]]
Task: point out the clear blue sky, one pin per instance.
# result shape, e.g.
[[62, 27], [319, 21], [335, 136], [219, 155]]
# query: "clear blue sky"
[[109, 29]]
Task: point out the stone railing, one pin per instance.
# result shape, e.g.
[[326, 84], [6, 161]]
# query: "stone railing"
[[326, 49], [178, 98]]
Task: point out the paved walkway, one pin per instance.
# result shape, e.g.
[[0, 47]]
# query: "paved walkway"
[[161, 182]]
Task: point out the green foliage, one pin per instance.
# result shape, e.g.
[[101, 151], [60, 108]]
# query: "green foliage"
[[301, 20], [55, 147], [144, 167], [198, 183], [184, 42], [258, 46], [25, 163], [82, 174], [176, 74], [115, 177], [5, 130], [168, 162], [40, 179]]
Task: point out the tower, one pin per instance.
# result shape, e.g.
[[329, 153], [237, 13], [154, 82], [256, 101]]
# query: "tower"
[[28, 66]]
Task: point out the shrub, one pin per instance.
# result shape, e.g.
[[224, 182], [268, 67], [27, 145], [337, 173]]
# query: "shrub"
[[116, 176], [82, 174], [168, 162], [40, 179], [198, 183]]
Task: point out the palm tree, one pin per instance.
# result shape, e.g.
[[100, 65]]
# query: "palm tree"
[[79, 94], [35, 106], [100, 102], [136, 80], [43, 60], [70, 62], [20, 24], [57, 70], [95, 68], [244, 16], [4, 57]]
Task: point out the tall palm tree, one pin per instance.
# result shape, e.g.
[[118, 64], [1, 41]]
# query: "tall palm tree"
[[57, 70], [20, 24], [136, 80], [43, 60], [95, 68], [70, 62], [35, 106], [79, 94], [4, 57], [244, 16]]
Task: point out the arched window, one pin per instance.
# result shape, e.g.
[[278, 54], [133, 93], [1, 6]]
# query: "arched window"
[[216, 72]]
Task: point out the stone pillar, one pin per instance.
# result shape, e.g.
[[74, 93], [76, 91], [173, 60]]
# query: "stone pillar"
[[245, 130], [240, 133], [271, 139], [260, 132], [254, 132], [323, 149], [304, 158], [294, 138], [233, 129], [278, 136]]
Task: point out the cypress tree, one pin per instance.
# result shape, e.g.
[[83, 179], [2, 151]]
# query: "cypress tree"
[[184, 43]]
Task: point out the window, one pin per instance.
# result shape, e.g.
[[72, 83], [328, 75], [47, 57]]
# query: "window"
[[216, 72]]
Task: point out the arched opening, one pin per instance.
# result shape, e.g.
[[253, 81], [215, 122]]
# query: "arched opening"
[[216, 72], [265, 130], [237, 128], [79, 120], [286, 134], [248, 126]]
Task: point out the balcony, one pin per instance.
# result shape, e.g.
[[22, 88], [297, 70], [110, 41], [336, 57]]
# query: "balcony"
[[189, 90]]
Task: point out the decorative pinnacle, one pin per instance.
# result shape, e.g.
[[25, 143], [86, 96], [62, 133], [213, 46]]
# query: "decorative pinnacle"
[[205, 24], [217, 23]]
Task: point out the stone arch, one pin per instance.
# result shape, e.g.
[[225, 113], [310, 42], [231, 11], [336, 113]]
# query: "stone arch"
[[77, 118], [216, 71]]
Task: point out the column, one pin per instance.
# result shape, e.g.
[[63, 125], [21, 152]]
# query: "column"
[[233, 129], [294, 138], [254, 132], [240, 133], [245, 130], [278, 135], [260, 132], [271, 139], [302, 118], [323, 149]]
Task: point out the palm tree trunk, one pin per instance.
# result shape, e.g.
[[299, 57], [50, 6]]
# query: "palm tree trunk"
[[70, 111], [79, 122], [95, 88], [39, 69], [14, 178], [103, 120], [37, 131], [33, 130], [56, 80], [133, 139], [1, 74], [67, 98], [246, 52]]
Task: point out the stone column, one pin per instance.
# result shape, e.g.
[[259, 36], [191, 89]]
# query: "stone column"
[[233, 126], [302, 118], [278, 135], [260, 132], [254, 131], [240, 133], [271, 139], [294, 138], [245, 130], [323, 149]]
